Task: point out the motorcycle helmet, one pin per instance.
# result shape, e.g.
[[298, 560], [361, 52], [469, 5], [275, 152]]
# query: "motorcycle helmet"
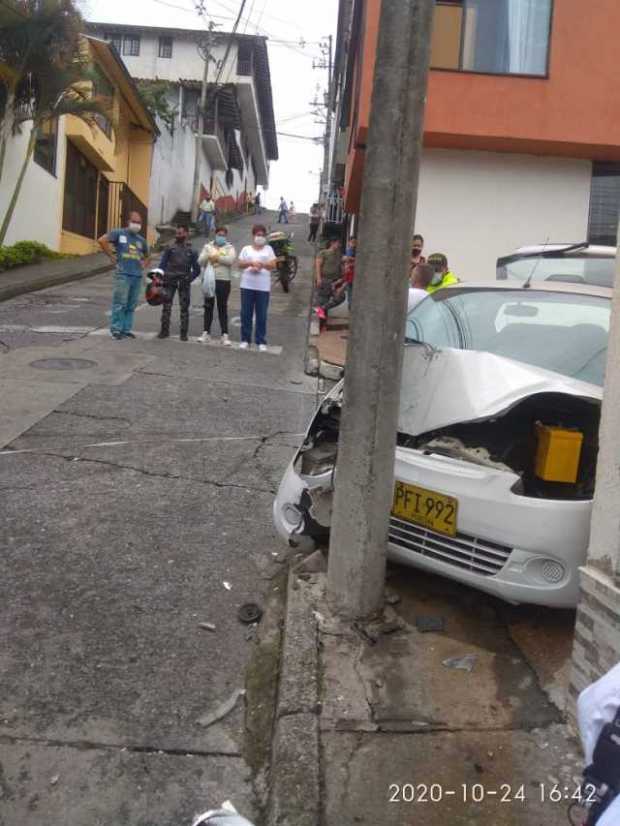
[[156, 294]]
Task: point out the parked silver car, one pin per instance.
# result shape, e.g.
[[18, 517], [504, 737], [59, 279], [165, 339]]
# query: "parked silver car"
[[581, 263]]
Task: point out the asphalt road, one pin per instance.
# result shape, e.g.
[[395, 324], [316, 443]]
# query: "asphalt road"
[[136, 503]]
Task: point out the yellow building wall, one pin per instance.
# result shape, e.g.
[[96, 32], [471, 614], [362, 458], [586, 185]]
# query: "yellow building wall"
[[73, 244], [125, 157]]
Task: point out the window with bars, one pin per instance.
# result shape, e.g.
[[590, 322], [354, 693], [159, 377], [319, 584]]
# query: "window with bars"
[[115, 39], [131, 45], [45, 149], [604, 204], [165, 47]]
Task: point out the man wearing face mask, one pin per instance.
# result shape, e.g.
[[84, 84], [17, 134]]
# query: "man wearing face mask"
[[443, 276], [129, 251], [180, 265]]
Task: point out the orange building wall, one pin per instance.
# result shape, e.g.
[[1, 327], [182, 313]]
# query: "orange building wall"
[[575, 112]]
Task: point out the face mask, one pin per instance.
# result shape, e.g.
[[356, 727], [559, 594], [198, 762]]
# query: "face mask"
[[259, 240], [134, 227], [220, 240]]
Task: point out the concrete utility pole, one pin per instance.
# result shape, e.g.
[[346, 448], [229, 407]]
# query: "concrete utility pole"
[[365, 472], [597, 642], [325, 182], [202, 119]]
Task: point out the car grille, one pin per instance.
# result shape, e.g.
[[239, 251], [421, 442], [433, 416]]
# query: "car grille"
[[463, 551]]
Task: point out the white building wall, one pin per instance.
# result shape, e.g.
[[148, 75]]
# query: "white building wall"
[[477, 206], [185, 63], [38, 215], [172, 172]]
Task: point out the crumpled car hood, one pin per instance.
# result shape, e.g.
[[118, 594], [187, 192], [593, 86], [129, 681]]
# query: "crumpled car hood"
[[446, 387]]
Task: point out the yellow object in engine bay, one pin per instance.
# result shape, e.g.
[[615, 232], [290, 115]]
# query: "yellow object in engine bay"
[[558, 453]]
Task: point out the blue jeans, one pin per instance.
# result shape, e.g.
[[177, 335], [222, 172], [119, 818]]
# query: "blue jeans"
[[124, 302], [207, 219], [254, 302], [283, 218]]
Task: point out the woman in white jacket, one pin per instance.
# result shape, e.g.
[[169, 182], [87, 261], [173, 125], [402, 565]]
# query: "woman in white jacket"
[[221, 255]]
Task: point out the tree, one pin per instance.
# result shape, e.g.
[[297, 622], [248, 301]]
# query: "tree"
[[44, 74], [154, 94]]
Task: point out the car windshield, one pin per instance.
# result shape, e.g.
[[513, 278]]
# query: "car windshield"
[[563, 332], [576, 269]]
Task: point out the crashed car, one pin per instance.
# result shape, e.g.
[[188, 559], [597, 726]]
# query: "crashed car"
[[497, 442]]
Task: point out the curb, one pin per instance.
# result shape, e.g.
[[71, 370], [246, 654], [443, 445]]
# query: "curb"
[[45, 281], [295, 795]]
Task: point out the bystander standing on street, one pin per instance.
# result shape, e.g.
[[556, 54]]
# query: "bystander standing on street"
[[443, 277], [206, 219], [315, 220], [257, 204], [349, 269], [328, 271], [417, 245], [256, 261], [129, 251], [421, 278], [180, 266], [283, 212], [221, 255], [292, 212]]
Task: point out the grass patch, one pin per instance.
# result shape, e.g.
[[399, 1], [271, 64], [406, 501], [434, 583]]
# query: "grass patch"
[[27, 252]]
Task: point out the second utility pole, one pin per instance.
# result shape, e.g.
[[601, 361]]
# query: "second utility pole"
[[365, 471]]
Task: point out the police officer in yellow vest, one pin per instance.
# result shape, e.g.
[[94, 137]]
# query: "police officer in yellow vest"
[[443, 277]]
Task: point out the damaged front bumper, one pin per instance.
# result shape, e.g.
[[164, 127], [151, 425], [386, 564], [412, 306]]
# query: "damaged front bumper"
[[516, 538]]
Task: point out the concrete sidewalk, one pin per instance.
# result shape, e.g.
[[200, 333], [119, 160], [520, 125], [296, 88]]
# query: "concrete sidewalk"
[[50, 274], [390, 724]]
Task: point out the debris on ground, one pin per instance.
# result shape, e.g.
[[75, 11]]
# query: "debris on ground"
[[465, 663], [54, 779], [315, 563], [250, 613], [223, 709], [227, 585], [208, 626], [424, 624]]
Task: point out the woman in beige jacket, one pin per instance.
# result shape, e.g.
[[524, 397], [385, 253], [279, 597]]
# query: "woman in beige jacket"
[[221, 255]]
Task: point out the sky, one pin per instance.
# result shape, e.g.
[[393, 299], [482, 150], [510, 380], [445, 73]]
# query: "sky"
[[301, 24]]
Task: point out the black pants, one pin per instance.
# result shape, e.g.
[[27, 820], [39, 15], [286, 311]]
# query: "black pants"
[[314, 228], [183, 285], [222, 292]]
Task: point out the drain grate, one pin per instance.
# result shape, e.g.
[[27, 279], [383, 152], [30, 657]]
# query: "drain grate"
[[63, 364]]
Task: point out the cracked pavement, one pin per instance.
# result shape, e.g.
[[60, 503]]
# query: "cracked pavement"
[[131, 492]]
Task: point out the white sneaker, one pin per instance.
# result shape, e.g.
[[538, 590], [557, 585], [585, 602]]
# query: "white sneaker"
[[226, 341], [262, 348], [244, 345], [205, 338]]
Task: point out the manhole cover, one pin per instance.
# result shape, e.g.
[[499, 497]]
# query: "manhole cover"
[[63, 364]]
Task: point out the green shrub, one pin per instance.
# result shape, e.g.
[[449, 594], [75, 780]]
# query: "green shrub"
[[26, 252]]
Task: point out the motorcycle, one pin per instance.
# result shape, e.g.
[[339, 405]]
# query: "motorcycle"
[[282, 244]]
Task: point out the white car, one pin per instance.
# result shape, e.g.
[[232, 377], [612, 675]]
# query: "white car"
[[489, 369], [569, 263]]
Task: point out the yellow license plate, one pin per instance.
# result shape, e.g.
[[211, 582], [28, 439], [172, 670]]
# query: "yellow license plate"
[[425, 507]]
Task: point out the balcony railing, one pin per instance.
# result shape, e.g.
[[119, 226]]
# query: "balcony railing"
[[334, 208], [245, 66]]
